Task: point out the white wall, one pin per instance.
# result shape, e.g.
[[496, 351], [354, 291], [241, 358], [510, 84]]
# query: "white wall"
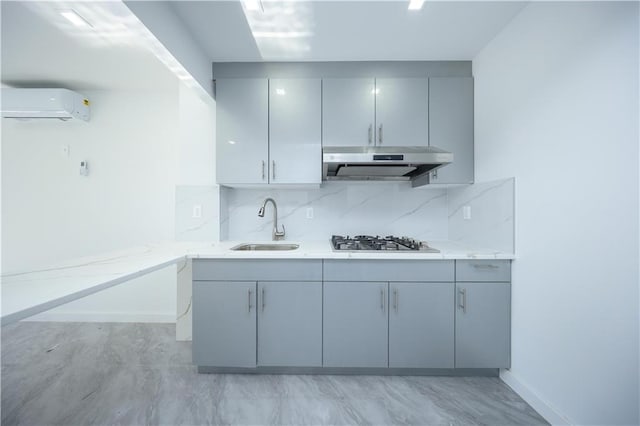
[[556, 103], [163, 22], [51, 213]]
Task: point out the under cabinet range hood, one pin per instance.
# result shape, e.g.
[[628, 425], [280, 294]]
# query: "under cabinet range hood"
[[381, 163]]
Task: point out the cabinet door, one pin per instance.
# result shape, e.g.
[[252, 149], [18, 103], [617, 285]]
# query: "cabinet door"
[[224, 323], [348, 111], [451, 126], [421, 325], [402, 112], [242, 131], [295, 145], [290, 324], [355, 324], [483, 325]]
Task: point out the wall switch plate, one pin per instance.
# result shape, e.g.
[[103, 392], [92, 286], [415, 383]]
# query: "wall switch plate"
[[197, 211], [466, 212], [309, 212]]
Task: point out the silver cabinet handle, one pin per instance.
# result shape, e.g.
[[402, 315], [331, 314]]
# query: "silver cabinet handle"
[[380, 134], [434, 174], [462, 299], [250, 300], [382, 294], [263, 169], [262, 299], [273, 169], [483, 266], [395, 299], [370, 133]]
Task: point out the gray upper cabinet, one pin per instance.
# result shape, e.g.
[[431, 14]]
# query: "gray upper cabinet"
[[421, 327], [295, 145], [290, 324], [402, 111], [268, 131], [483, 319], [355, 324], [224, 323], [380, 112], [451, 127], [348, 111], [242, 131]]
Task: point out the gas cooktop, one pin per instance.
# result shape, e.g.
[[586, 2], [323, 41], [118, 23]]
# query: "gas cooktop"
[[368, 243]]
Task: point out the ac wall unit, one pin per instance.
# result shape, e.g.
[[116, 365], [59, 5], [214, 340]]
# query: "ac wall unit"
[[62, 104]]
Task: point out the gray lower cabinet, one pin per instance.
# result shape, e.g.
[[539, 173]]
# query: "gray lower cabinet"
[[355, 324], [224, 323], [483, 325], [421, 327], [290, 324]]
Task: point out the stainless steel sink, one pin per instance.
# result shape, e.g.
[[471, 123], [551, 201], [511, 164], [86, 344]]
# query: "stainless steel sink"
[[265, 247]]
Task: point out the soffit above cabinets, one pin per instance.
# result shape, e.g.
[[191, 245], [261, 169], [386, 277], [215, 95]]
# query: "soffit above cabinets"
[[344, 30]]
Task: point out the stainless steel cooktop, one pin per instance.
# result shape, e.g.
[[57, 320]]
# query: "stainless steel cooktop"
[[368, 243]]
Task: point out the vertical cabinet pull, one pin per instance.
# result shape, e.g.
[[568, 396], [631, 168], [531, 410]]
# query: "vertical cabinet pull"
[[395, 299], [370, 133], [462, 299], [382, 292], [262, 299], [263, 169], [380, 135], [250, 300], [273, 169]]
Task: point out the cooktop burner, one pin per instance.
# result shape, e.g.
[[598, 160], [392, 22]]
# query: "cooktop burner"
[[377, 243]]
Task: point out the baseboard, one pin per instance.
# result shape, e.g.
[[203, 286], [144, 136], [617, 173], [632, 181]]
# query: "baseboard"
[[104, 317], [541, 406]]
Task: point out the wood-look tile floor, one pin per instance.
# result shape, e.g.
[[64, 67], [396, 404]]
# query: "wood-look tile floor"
[[137, 374]]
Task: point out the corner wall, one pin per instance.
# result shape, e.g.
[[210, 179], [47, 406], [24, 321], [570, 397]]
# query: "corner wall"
[[51, 213], [556, 106]]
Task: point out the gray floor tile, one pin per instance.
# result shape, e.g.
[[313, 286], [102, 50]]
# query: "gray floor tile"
[[135, 374]]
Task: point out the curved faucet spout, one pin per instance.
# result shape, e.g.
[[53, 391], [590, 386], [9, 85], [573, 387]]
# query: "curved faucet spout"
[[275, 234]]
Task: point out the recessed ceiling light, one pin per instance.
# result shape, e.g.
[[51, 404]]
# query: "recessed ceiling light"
[[253, 5], [415, 4], [280, 92], [73, 17]]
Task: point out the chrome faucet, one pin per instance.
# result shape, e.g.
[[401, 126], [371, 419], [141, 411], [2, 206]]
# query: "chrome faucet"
[[275, 235]]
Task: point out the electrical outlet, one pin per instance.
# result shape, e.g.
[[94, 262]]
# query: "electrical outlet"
[[309, 212], [466, 212], [197, 211]]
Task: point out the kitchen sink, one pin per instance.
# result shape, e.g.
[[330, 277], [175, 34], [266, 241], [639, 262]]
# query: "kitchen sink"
[[265, 247]]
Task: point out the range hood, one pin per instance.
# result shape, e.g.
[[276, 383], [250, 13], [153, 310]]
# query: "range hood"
[[381, 163]]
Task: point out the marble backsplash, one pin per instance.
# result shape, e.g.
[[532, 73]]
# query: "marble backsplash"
[[203, 228], [380, 208], [491, 207]]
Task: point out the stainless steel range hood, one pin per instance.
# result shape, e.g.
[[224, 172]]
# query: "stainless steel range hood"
[[381, 163]]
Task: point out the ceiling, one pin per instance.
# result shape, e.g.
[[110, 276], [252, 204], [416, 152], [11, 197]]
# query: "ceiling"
[[40, 48], [344, 30]]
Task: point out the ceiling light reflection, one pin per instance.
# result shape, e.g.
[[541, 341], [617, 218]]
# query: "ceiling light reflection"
[[282, 30]]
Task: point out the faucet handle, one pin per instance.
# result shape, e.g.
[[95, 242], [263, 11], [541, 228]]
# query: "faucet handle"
[[277, 235]]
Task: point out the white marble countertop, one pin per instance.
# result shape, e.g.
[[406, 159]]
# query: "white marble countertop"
[[27, 293]]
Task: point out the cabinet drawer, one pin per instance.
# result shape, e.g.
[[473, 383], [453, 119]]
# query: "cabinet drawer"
[[257, 270], [483, 270], [388, 270]]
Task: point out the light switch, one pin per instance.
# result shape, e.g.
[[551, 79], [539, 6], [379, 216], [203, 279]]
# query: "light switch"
[[197, 211], [466, 212], [309, 212]]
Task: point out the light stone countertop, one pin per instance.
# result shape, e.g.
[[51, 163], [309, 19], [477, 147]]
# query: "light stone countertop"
[[26, 293]]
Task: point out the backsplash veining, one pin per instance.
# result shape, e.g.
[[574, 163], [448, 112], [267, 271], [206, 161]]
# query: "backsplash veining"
[[338, 208]]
